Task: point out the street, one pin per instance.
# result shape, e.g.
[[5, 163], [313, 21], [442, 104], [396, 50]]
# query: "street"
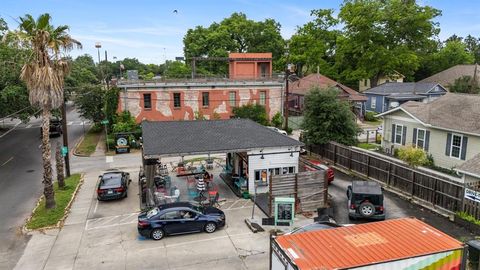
[[21, 180]]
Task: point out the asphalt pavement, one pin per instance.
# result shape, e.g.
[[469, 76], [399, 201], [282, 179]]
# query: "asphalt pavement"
[[21, 180], [395, 207]]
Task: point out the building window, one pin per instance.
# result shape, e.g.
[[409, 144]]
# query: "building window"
[[263, 97], [456, 146], [398, 139], [373, 102], [365, 82], [261, 177], [291, 169], [233, 99], [205, 99], [176, 100], [421, 134], [147, 101]]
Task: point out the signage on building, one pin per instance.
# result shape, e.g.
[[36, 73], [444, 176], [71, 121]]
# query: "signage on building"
[[472, 195]]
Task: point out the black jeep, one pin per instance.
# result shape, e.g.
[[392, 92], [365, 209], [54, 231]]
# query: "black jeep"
[[365, 200], [55, 127]]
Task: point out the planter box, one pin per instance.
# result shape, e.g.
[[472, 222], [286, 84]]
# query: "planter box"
[[472, 227]]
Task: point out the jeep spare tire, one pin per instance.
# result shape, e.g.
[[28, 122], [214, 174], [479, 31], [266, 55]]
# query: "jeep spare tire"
[[366, 209]]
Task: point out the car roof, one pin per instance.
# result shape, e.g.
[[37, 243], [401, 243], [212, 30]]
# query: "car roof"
[[110, 175], [175, 205], [366, 187]]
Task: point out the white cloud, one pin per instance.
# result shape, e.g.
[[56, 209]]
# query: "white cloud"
[[296, 11]]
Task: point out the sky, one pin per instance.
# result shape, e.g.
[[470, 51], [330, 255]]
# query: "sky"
[[150, 31]]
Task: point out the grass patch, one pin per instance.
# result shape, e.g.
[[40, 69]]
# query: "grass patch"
[[89, 143], [43, 217], [468, 218], [367, 146]]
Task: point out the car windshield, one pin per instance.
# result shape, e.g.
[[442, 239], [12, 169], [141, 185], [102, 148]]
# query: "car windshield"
[[112, 180], [152, 212]]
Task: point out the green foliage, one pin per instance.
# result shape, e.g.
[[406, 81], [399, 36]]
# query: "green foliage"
[[327, 118], [43, 217], [367, 146], [465, 84], [381, 37], [236, 33], [89, 142], [254, 112], [125, 122], [111, 104], [453, 53], [90, 101], [177, 69], [370, 116], [277, 120], [199, 116], [413, 156], [468, 217]]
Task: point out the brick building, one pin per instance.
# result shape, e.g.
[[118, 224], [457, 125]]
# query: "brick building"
[[250, 81]]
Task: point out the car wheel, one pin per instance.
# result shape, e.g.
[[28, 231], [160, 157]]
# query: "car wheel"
[[210, 227], [366, 209], [157, 234], [126, 194]]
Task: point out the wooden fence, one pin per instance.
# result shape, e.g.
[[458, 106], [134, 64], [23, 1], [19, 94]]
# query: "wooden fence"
[[433, 189], [308, 188], [471, 203]]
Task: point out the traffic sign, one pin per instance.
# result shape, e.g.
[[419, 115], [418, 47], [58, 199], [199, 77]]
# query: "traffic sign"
[[64, 151], [104, 122]]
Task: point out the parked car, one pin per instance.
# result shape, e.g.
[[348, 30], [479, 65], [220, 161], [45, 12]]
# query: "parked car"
[[55, 127], [323, 166], [365, 200], [283, 132], [113, 185], [179, 218]]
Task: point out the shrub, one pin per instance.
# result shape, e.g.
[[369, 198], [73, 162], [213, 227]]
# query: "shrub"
[[277, 120], [370, 116], [413, 156]]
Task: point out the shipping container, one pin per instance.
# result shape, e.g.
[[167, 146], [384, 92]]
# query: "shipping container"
[[405, 243]]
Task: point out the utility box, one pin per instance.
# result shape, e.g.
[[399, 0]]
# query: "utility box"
[[284, 210]]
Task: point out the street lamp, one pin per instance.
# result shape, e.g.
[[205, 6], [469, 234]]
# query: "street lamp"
[[98, 45]]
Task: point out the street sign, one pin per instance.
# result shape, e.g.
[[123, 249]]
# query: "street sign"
[[64, 151], [104, 122]]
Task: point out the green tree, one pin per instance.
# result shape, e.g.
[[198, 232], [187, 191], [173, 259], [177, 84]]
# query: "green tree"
[[44, 73], [381, 37], [328, 118], [254, 112], [90, 102], [453, 53], [465, 84], [111, 104], [125, 122], [413, 156], [277, 120], [236, 33], [314, 44]]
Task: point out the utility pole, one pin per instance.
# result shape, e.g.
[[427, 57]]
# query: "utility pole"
[[287, 73], [106, 73], [65, 137]]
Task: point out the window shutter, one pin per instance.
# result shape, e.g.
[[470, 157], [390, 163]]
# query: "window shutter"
[[464, 147], [427, 139], [449, 143], [404, 136], [414, 141], [393, 133]]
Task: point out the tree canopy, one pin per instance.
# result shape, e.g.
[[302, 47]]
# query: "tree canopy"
[[328, 118], [254, 112]]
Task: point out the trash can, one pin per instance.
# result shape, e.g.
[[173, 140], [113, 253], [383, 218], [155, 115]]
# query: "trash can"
[[474, 254]]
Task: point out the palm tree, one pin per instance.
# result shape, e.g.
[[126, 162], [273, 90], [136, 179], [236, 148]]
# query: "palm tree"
[[44, 72]]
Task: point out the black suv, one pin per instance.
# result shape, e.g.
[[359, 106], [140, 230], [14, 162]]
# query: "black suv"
[[365, 200], [55, 127]]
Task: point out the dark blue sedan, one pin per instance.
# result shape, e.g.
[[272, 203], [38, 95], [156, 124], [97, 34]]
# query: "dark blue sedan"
[[179, 218]]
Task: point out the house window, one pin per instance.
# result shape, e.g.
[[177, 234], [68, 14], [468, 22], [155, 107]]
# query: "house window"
[[421, 134], [373, 102], [205, 99], [147, 101], [291, 169], [176, 100], [233, 99], [263, 97], [365, 82], [398, 139], [456, 146], [261, 177]]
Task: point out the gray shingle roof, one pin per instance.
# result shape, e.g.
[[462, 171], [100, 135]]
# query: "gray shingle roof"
[[448, 76], [471, 166], [401, 88], [213, 136], [457, 112]]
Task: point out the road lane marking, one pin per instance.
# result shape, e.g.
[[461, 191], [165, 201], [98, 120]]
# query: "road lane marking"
[[29, 126], [12, 129], [95, 209], [40, 146], [7, 161]]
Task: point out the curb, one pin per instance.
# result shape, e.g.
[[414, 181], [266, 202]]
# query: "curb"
[[59, 224]]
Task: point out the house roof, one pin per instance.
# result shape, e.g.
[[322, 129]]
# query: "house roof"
[[455, 112], [471, 166], [345, 247], [448, 76], [305, 84], [178, 138], [401, 88]]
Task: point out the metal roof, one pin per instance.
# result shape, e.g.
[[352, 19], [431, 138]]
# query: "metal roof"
[[181, 138], [402, 88], [365, 244]]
